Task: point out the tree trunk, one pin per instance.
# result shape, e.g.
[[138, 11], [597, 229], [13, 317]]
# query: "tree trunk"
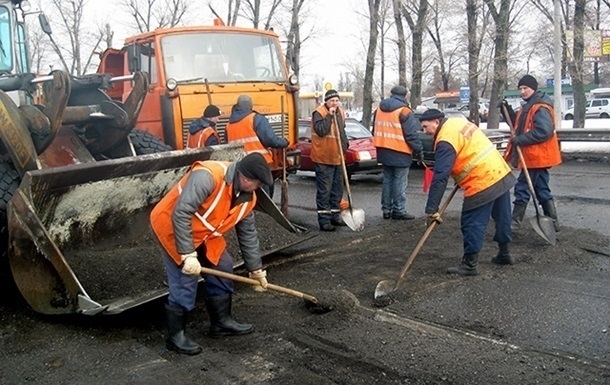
[[370, 62], [576, 66], [473, 60], [402, 48]]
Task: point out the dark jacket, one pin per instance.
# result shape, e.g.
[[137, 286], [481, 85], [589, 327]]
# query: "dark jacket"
[[543, 121], [201, 123], [261, 127], [410, 127]]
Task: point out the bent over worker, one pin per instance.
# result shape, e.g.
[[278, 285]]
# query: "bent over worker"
[[190, 223], [465, 153]]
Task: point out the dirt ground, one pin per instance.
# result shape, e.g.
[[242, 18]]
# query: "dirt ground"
[[543, 320]]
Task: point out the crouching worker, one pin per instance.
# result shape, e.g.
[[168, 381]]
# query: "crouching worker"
[[189, 222], [465, 153]]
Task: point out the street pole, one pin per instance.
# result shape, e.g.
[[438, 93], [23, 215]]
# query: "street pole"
[[557, 47]]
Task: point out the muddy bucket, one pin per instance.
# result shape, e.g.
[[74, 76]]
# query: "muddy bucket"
[[79, 236]]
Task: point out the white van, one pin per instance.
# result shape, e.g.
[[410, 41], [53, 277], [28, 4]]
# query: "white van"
[[595, 108]]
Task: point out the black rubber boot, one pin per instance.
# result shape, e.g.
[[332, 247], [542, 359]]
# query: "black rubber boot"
[[221, 322], [469, 266], [548, 208], [176, 324], [503, 257], [518, 214]]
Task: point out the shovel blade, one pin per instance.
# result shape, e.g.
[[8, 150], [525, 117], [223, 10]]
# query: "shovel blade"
[[353, 218], [544, 227], [383, 292]]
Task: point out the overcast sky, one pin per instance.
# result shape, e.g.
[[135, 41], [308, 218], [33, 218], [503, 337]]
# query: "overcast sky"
[[338, 30]]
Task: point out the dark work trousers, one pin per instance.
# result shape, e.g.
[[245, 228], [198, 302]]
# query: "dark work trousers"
[[540, 179], [183, 287], [474, 223], [329, 191]]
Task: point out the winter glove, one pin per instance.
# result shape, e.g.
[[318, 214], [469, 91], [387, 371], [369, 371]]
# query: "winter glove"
[[434, 217], [509, 109], [190, 264], [518, 140], [260, 276], [419, 158]]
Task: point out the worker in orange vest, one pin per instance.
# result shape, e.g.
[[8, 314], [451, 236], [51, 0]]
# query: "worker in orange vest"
[[253, 130], [202, 131], [189, 223], [536, 136], [465, 153]]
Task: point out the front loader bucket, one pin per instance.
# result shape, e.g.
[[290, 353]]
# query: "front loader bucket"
[[79, 236]]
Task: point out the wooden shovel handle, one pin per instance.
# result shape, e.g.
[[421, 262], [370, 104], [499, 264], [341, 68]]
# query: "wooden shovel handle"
[[255, 282]]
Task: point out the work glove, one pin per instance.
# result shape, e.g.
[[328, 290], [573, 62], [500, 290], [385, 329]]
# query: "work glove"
[[509, 109], [419, 158], [518, 140], [434, 217], [190, 264], [261, 276]]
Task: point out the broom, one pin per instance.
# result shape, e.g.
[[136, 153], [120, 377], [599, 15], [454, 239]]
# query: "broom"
[[284, 184]]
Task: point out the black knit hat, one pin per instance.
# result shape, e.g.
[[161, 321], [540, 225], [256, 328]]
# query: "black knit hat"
[[529, 81], [211, 111], [399, 91], [331, 94], [254, 166], [431, 114]]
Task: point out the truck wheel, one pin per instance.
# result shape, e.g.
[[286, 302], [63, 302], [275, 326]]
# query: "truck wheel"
[[9, 181], [147, 143]]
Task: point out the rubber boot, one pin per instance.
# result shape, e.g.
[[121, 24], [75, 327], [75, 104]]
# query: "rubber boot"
[[548, 208], [469, 266], [176, 324], [503, 257], [221, 322], [518, 214]]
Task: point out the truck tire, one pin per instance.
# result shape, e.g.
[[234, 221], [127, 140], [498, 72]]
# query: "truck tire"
[[9, 182], [146, 143]]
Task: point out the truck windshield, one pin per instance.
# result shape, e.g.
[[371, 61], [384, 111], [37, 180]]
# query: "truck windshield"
[[222, 57], [6, 53]]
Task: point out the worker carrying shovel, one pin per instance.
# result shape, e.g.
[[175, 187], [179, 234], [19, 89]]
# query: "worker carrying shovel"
[[190, 223], [465, 153]]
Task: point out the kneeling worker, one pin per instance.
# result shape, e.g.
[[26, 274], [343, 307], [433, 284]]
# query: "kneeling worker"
[[465, 153], [190, 223]]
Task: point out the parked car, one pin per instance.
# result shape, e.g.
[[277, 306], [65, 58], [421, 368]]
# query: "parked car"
[[483, 111], [361, 156], [497, 137], [594, 108]]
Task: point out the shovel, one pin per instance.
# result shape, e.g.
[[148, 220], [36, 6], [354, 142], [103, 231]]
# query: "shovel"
[[541, 224], [353, 218], [386, 287], [312, 302]]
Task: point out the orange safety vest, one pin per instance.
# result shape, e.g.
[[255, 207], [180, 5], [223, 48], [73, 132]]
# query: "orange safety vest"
[[243, 132], [478, 164], [388, 131], [200, 137], [540, 155], [212, 220], [325, 150]]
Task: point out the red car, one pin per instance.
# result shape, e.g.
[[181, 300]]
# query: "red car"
[[361, 156]]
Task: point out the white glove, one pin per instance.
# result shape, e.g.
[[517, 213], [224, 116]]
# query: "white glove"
[[191, 264], [261, 276]]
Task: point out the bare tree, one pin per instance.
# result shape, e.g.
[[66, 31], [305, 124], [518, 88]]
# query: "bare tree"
[[576, 65], [420, 9], [446, 58], [293, 49], [384, 28], [370, 62], [254, 11], [402, 49], [473, 10], [153, 14]]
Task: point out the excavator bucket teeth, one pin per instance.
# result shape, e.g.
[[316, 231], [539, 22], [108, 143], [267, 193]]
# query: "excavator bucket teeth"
[[79, 235]]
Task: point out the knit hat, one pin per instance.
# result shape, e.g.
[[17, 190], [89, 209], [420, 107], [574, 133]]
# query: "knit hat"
[[399, 91], [245, 102], [254, 166], [211, 111], [431, 114], [331, 94], [529, 81]]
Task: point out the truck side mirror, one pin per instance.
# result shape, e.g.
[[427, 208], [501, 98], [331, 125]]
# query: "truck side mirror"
[[44, 24], [134, 58]]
